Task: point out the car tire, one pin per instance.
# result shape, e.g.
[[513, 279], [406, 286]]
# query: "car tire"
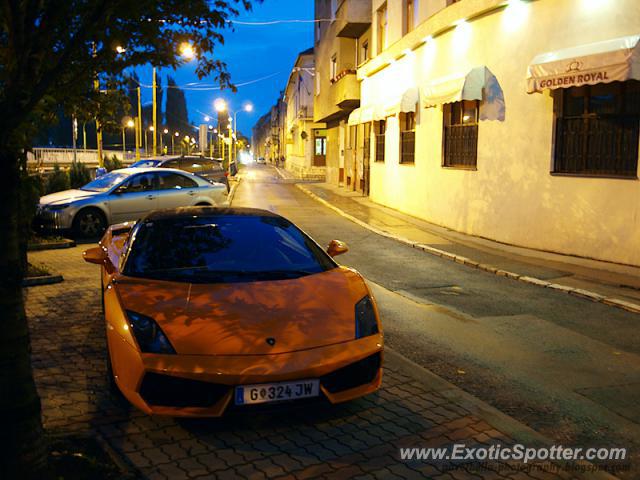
[[89, 223]]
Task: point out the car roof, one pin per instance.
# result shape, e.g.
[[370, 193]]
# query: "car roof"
[[132, 170], [184, 212]]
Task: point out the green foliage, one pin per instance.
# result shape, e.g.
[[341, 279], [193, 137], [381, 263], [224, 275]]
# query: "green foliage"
[[57, 180], [112, 163], [79, 175]]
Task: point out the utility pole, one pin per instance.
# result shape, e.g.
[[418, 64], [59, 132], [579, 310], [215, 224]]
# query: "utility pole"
[[96, 86], [155, 113], [139, 144], [75, 138]]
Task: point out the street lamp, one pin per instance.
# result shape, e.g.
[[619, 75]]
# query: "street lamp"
[[127, 122], [173, 149], [187, 51]]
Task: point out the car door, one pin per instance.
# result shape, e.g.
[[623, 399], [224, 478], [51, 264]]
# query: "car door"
[[176, 190], [134, 198]]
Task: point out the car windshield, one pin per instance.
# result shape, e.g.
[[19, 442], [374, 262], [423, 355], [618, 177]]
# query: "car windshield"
[[105, 182], [145, 164], [223, 249]]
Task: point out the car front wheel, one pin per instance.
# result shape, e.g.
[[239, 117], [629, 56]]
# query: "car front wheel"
[[89, 223]]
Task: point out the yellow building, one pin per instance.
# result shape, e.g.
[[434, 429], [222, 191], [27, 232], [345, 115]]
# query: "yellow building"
[[305, 139], [339, 27], [516, 121]]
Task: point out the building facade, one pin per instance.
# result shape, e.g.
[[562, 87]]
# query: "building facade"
[[305, 140], [514, 121], [339, 27]]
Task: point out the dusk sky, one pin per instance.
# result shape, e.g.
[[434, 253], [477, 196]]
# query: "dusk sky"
[[251, 52]]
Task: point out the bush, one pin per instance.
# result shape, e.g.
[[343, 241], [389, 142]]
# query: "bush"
[[79, 175], [112, 163], [57, 181]]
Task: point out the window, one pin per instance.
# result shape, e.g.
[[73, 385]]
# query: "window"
[[597, 129], [461, 134], [382, 27], [380, 131], [410, 13], [366, 153], [175, 181], [142, 183], [364, 52], [407, 137], [334, 68]]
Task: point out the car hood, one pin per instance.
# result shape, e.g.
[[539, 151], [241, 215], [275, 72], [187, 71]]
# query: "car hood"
[[66, 196], [238, 318]]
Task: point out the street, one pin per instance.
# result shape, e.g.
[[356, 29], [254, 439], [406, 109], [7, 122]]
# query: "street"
[[445, 317]]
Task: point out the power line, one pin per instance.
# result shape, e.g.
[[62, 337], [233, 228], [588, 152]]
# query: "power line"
[[276, 22], [196, 87]]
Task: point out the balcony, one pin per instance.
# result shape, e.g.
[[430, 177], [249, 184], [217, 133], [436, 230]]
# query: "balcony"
[[353, 17], [346, 90]]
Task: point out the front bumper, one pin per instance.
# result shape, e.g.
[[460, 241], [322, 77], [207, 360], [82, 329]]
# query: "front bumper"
[[46, 220], [203, 386]]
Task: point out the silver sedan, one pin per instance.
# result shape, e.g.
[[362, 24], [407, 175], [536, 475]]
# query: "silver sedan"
[[124, 195]]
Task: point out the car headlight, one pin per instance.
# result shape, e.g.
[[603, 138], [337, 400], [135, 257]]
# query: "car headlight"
[[58, 207], [149, 335], [366, 322]]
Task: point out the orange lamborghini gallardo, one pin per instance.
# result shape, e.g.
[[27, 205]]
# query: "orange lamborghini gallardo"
[[210, 309]]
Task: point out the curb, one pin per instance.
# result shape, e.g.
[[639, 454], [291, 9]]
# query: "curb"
[[577, 292], [232, 192], [502, 422], [37, 247], [42, 280]]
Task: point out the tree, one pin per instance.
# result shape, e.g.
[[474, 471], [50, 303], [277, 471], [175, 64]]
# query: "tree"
[[50, 51], [176, 110]]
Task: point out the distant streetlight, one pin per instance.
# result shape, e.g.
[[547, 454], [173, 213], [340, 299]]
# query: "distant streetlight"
[[120, 49], [207, 118]]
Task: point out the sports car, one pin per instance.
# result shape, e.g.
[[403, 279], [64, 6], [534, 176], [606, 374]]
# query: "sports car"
[[210, 309]]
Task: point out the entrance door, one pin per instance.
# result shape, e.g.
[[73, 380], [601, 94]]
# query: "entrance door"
[[320, 152], [366, 174]]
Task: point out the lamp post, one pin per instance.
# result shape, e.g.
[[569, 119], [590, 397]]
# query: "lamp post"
[[164, 132], [173, 148], [221, 106], [129, 123]]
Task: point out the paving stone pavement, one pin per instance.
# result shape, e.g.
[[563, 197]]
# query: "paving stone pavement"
[[360, 439]]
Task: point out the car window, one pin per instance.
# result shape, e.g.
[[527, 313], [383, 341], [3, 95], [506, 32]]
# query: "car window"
[[169, 180], [105, 182], [171, 164], [193, 165], [143, 182], [145, 163], [222, 249], [212, 165]]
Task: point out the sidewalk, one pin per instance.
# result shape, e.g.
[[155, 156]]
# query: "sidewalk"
[[613, 284]]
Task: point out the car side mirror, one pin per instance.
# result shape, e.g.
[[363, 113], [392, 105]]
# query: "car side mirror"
[[336, 247], [98, 256]]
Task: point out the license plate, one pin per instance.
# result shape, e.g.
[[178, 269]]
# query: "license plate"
[[277, 392]]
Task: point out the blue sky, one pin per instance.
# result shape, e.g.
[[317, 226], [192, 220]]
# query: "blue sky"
[[251, 52]]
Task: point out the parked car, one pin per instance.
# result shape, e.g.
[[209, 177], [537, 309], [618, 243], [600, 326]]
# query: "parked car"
[[210, 168], [261, 160], [123, 195], [208, 309]]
